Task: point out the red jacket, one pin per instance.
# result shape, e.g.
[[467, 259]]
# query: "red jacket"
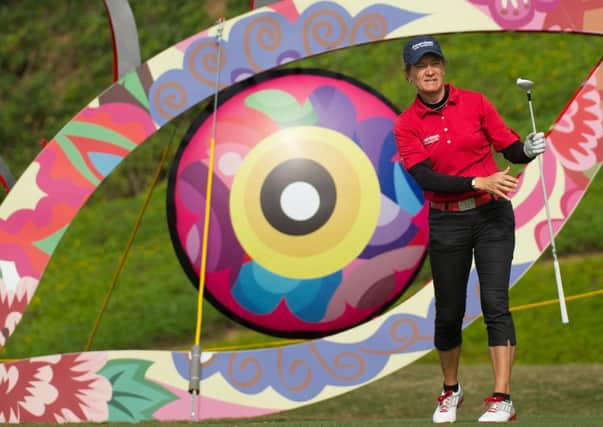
[[457, 139]]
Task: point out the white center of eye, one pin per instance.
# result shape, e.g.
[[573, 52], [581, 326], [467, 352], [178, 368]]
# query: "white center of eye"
[[300, 201]]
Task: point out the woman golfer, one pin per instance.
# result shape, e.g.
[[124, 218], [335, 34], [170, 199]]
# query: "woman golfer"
[[444, 139]]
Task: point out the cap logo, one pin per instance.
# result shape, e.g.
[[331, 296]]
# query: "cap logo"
[[422, 44]]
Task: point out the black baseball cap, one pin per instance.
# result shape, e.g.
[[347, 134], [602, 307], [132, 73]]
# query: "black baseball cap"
[[416, 47]]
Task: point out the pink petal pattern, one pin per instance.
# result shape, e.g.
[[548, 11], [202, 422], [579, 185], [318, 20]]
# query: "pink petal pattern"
[[12, 305], [62, 388], [515, 14], [576, 139]]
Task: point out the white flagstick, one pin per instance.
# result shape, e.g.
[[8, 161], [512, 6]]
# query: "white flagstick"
[[527, 86]]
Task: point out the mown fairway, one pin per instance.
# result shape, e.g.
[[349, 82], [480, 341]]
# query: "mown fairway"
[[545, 396]]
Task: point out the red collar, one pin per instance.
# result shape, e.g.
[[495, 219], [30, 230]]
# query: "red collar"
[[422, 109]]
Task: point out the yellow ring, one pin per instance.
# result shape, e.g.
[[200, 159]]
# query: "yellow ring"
[[351, 225]]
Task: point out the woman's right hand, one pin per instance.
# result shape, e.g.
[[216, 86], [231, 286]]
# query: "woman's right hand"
[[499, 183]]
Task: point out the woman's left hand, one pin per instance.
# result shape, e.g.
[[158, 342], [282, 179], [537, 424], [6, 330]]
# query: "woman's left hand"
[[499, 183]]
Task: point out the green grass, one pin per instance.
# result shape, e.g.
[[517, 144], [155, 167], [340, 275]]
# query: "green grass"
[[544, 396], [154, 304], [153, 287], [409, 394]]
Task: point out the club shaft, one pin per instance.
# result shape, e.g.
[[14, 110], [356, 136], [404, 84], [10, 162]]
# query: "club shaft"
[[560, 293]]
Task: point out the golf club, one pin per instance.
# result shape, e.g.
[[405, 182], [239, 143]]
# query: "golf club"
[[527, 85]]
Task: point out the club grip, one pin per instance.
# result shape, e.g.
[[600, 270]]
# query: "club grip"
[[560, 293]]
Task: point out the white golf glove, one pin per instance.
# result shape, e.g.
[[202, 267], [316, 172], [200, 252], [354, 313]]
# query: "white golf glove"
[[534, 144]]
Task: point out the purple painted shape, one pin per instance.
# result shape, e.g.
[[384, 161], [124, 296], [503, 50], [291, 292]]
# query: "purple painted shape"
[[387, 233], [370, 130], [404, 239], [334, 109], [224, 250]]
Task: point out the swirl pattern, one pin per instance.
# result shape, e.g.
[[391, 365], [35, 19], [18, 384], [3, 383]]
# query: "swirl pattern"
[[265, 34], [326, 29], [170, 97], [266, 40], [202, 61], [370, 27]]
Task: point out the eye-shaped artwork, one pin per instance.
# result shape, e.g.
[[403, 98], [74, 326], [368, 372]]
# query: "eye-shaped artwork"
[[142, 385], [315, 227]]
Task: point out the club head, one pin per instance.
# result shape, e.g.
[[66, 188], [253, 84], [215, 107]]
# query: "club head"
[[525, 84]]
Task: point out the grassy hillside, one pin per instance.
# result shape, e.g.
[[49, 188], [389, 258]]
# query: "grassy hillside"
[[154, 304], [56, 56]]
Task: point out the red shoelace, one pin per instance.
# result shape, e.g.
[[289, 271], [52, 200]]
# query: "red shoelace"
[[442, 398], [492, 399]]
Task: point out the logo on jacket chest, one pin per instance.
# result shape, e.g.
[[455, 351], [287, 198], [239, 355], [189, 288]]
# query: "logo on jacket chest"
[[431, 139]]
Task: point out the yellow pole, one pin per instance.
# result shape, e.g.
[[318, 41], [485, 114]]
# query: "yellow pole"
[[194, 384], [202, 268]]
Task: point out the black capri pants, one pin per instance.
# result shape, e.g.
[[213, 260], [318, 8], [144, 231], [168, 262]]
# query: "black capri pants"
[[488, 234]]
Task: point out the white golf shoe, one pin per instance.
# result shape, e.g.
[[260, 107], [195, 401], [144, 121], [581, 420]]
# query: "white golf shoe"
[[448, 402], [499, 411]]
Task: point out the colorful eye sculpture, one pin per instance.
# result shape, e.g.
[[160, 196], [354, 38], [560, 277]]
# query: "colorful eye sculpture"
[[135, 385], [314, 226]]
